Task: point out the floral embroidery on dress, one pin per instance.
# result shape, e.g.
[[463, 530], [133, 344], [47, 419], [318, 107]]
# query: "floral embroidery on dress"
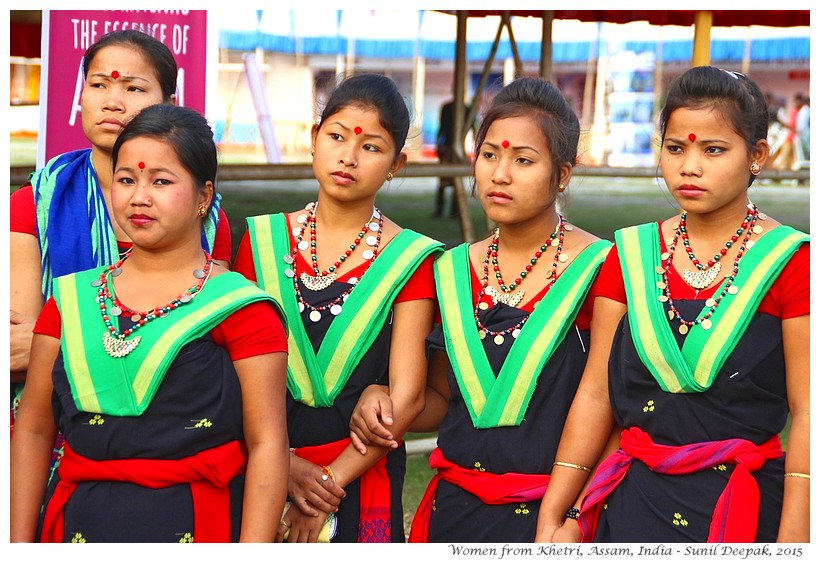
[[187, 537], [96, 420], [201, 423], [522, 509], [650, 406], [721, 467], [478, 467], [679, 520], [78, 538]]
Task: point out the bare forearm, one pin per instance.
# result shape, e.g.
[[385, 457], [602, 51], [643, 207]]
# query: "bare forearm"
[[30, 460], [435, 407], [586, 434], [265, 493], [794, 520]]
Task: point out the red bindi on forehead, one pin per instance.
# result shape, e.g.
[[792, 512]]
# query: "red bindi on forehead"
[[115, 75], [692, 137], [357, 130], [505, 143], [141, 165]]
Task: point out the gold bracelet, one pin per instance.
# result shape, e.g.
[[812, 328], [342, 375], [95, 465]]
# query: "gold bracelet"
[[801, 475], [572, 466]]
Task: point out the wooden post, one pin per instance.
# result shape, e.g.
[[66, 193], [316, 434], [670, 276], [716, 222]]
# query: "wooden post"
[[703, 31], [546, 45], [460, 75]]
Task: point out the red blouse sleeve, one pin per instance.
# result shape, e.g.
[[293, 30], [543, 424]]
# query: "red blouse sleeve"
[[788, 297], [222, 241], [48, 321], [610, 280], [243, 263], [421, 285], [253, 330], [22, 214]]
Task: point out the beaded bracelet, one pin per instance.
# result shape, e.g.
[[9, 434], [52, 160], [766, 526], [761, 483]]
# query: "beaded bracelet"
[[327, 473], [573, 513], [572, 466], [801, 475]]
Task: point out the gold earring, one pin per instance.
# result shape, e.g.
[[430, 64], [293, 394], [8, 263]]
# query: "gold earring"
[[561, 187], [202, 211], [754, 169], [389, 176], [312, 151]]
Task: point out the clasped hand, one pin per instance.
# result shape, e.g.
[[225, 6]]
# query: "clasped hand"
[[371, 418], [308, 491]]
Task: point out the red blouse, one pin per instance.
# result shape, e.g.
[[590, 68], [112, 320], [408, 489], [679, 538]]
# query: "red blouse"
[[788, 296]]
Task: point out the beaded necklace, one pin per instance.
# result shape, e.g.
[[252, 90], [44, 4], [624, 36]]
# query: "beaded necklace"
[[726, 288], [114, 341], [555, 239], [707, 274], [322, 279]]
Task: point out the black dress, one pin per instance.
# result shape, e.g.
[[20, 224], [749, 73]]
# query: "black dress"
[[747, 400], [459, 516], [197, 406], [309, 426]]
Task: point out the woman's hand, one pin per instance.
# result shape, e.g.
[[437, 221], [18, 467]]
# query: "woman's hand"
[[544, 534], [309, 491], [568, 532], [371, 418], [300, 527], [20, 333]]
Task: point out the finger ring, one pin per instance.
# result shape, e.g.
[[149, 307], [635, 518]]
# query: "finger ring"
[[324, 477]]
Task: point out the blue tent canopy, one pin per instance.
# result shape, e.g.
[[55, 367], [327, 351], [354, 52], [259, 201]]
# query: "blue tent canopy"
[[762, 50]]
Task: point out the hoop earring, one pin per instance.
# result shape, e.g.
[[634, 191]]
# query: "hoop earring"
[[389, 176], [754, 169]]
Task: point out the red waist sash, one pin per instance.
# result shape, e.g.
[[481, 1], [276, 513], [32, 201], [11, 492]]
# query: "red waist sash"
[[490, 488], [735, 516], [208, 473], [375, 524]]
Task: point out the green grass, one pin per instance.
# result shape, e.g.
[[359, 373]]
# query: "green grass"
[[415, 483]]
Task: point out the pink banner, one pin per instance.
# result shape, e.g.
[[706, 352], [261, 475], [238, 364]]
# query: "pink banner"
[[66, 36]]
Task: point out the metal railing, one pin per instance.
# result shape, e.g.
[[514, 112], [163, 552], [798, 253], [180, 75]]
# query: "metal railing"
[[255, 172]]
